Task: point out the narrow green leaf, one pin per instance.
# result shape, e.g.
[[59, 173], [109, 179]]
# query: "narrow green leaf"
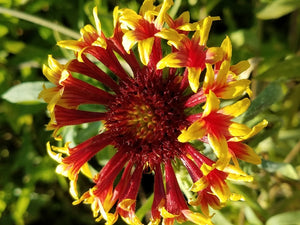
[[40, 21], [3, 30], [21, 205], [271, 94], [25, 93], [288, 171], [219, 218], [3, 204], [105, 155], [284, 169], [278, 8], [249, 195], [287, 218], [285, 70], [251, 216], [146, 207], [14, 47]]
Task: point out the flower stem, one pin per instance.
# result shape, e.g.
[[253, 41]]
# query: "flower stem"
[[39, 21]]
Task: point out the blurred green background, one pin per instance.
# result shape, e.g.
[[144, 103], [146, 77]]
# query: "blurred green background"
[[267, 31]]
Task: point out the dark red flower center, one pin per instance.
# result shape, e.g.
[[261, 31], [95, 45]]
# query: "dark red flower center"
[[142, 121], [147, 116]]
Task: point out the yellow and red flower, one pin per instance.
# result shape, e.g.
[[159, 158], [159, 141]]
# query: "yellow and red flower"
[[191, 54], [146, 114]]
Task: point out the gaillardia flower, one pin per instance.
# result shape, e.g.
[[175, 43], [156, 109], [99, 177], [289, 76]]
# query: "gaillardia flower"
[[157, 87]]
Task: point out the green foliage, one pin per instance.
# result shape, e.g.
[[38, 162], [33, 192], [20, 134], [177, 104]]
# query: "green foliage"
[[270, 95], [264, 30], [288, 218], [283, 71], [277, 9], [25, 93]]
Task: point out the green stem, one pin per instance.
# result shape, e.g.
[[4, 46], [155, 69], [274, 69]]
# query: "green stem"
[[175, 8], [41, 22]]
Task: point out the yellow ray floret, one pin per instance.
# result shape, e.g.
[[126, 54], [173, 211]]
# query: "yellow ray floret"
[[257, 128], [212, 104], [166, 5], [193, 77], [195, 131], [220, 148], [196, 218], [237, 108]]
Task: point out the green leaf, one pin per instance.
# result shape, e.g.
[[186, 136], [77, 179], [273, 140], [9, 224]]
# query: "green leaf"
[[270, 95], [3, 204], [105, 155], [288, 171], [21, 205], [284, 169], [25, 93], [145, 208], [278, 8], [286, 70], [251, 216], [3, 30], [249, 195], [219, 218], [287, 218], [14, 46]]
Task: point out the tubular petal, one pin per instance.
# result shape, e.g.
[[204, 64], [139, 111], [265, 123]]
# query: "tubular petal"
[[53, 73], [159, 196], [126, 204], [73, 189], [56, 156], [82, 153], [154, 221], [199, 185], [175, 201], [166, 215], [86, 171], [65, 117]]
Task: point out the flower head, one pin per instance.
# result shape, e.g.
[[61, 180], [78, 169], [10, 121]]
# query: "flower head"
[[147, 115]]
